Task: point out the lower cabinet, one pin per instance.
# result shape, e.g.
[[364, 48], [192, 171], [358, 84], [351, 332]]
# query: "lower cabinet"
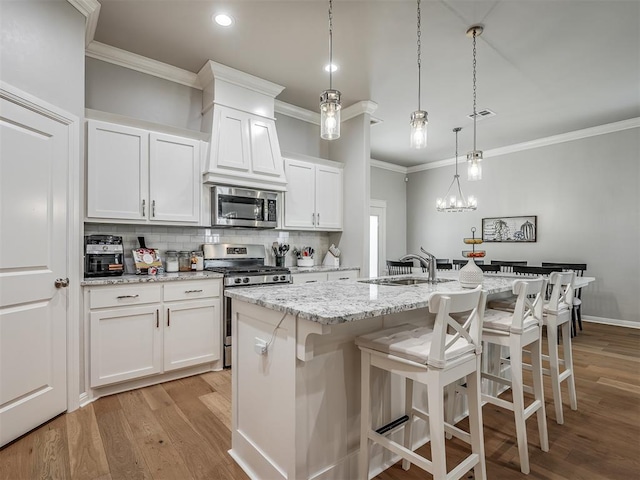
[[315, 277], [141, 330]]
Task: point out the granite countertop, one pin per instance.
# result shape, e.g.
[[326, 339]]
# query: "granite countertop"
[[350, 300], [164, 277], [319, 269]]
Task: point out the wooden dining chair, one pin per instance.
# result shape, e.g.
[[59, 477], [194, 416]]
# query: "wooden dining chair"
[[444, 266], [507, 265], [395, 267], [527, 270], [458, 264], [578, 268], [490, 268]]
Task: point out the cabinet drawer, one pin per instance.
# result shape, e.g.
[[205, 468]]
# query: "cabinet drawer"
[[187, 290], [133, 294], [343, 275], [309, 277]]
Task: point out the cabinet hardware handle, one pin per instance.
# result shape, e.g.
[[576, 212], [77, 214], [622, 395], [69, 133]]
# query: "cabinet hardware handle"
[[157, 318], [193, 291], [311, 281], [168, 317], [144, 205], [61, 282], [313, 218], [318, 219], [153, 208], [127, 296], [343, 278]]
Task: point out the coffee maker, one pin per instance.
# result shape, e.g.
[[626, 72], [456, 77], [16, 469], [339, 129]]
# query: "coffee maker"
[[103, 256]]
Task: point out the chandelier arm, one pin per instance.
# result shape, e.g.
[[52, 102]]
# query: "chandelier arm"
[[449, 189], [464, 200]]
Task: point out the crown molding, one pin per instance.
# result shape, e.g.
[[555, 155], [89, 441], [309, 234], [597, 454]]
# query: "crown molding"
[[296, 112], [359, 108], [212, 70], [389, 166], [133, 61], [91, 10], [541, 142]]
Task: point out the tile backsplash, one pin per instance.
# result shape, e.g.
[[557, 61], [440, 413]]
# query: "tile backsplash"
[[192, 238]]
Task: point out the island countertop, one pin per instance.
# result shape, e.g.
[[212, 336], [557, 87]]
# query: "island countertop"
[[342, 301]]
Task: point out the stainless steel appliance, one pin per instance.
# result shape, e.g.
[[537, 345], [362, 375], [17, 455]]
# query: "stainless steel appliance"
[[242, 265], [103, 256], [242, 207]]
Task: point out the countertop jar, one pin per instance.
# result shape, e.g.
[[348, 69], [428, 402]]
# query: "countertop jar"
[[184, 261], [197, 260], [171, 261]]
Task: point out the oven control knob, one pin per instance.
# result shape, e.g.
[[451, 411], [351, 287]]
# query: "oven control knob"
[[237, 280], [282, 277], [275, 278], [245, 280]]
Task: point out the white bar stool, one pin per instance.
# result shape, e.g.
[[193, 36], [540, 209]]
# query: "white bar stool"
[[436, 359], [557, 313], [516, 330]]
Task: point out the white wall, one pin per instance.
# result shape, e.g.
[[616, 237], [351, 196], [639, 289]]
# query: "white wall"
[[297, 136], [586, 196], [115, 89], [391, 187]]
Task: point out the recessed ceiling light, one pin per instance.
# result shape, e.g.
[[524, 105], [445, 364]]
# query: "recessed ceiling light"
[[222, 19], [333, 67]]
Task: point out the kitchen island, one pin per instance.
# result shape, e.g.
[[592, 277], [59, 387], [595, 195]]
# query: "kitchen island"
[[296, 379]]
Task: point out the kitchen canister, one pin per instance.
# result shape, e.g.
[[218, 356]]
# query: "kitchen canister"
[[470, 275], [184, 261], [171, 261], [197, 260]]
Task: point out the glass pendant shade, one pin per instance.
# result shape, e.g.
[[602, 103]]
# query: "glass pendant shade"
[[419, 129], [330, 114], [474, 165]]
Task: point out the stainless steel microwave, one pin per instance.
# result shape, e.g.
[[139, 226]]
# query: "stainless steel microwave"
[[242, 207]]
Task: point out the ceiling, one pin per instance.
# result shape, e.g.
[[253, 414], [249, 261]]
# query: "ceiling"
[[544, 67]]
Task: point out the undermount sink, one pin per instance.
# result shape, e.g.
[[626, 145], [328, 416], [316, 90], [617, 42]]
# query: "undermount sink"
[[403, 281]]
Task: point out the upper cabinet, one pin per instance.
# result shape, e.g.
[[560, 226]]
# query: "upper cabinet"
[[244, 150], [313, 200], [137, 175]]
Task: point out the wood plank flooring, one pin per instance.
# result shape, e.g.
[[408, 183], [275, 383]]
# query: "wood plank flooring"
[[180, 430]]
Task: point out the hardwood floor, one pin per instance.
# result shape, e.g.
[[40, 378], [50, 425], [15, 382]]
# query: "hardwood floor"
[[180, 430]]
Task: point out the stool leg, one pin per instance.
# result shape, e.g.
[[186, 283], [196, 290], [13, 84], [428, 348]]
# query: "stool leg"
[[408, 427], [475, 421], [518, 401], [568, 365], [435, 396], [538, 392], [552, 340], [365, 415], [450, 406]]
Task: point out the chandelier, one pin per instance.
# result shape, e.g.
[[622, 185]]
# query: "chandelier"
[[419, 119], [454, 200], [330, 99], [474, 157]]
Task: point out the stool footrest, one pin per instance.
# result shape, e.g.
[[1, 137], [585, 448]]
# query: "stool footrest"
[[391, 425]]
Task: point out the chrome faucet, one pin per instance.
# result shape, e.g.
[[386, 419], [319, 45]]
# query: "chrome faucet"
[[428, 263]]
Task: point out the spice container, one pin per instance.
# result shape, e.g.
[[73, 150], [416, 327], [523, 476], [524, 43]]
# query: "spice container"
[[171, 261], [197, 260], [184, 261]]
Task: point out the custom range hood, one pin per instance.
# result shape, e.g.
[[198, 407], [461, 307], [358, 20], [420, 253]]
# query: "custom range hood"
[[238, 111]]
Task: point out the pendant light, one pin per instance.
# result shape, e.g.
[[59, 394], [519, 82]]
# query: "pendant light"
[[330, 99], [474, 157], [455, 201], [419, 119]]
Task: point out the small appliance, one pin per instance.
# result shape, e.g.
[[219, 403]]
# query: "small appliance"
[[103, 256], [242, 207]]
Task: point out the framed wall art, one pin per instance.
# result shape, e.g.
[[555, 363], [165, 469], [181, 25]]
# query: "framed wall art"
[[510, 229]]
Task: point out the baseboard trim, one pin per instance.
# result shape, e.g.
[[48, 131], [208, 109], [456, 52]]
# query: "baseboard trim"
[[611, 321]]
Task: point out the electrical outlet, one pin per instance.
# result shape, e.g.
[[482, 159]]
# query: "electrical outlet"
[[260, 346]]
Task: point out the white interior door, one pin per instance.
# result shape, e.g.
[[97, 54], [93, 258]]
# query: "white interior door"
[[377, 238], [34, 162]]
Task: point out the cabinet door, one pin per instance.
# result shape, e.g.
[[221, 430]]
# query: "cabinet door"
[[230, 143], [314, 277], [117, 171], [299, 199], [192, 333], [174, 171], [265, 150], [126, 343], [328, 187]]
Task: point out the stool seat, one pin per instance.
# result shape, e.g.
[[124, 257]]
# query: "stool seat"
[[502, 320], [414, 344]]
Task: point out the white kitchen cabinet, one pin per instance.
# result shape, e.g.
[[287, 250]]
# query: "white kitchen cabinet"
[[313, 200], [147, 177], [245, 150], [144, 330], [317, 277]]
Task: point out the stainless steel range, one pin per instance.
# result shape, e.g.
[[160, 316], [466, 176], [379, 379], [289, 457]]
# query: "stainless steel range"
[[242, 266]]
